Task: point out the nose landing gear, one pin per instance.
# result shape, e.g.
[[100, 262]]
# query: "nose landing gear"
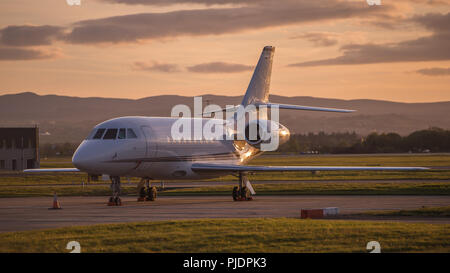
[[115, 200]]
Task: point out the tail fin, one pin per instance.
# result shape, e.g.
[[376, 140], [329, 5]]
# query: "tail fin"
[[258, 89]]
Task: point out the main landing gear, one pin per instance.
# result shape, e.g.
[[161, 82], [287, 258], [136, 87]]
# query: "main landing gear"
[[147, 193], [115, 200], [244, 190]]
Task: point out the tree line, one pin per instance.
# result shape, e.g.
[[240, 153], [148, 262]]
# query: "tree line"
[[57, 149], [431, 140]]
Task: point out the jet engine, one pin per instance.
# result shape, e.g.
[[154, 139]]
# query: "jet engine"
[[266, 133]]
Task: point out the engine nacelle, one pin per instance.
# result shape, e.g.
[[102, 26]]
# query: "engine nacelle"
[[266, 134]]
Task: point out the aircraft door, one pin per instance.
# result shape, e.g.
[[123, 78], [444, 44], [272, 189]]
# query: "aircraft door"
[[151, 143]]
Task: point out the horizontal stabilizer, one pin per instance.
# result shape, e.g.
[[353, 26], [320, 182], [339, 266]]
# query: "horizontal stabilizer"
[[307, 108], [285, 106], [205, 167]]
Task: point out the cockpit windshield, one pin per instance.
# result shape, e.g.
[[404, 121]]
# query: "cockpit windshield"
[[112, 133], [99, 133], [122, 134]]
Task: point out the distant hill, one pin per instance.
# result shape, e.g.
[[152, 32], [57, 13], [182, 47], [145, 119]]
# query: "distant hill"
[[71, 118]]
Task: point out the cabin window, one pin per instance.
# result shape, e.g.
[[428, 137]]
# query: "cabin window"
[[110, 134], [131, 133], [99, 134], [122, 133]]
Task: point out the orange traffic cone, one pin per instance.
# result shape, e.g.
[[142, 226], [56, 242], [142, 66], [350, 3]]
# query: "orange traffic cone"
[[56, 204]]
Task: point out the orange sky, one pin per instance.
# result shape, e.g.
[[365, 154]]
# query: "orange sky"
[[337, 49]]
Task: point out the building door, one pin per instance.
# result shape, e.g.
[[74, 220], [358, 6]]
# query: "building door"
[[30, 164], [14, 165]]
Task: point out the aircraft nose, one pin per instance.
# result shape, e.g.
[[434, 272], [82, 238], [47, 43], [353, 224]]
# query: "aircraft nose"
[[81, 157], [77, 160]]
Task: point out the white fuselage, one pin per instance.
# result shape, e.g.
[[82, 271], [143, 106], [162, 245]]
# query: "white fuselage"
[[152, 153]]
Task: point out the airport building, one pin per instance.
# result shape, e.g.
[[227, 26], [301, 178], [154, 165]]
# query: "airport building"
[[19, 148]]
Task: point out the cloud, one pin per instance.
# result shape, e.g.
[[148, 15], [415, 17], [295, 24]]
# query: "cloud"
[[155, 66], [437, 22], [255, 14], [25, 35], [239, 2], [173, 2], [436, 71], [249, 15], [21, 54], [219, 67], [318, 38], [215, 21], [429, 2], [430, 48], [213, 67]]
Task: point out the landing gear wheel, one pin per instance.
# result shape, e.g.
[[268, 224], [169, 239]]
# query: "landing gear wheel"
[[236, 193], [241, 194], [151, 194], [115, 201], [141, 194], [245, 193]]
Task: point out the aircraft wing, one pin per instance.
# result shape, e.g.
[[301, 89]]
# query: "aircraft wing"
[[205, 167], [53, 170]]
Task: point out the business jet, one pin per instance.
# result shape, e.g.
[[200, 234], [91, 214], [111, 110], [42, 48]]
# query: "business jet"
[[144, 147]]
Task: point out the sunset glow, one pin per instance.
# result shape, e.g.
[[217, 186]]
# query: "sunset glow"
[[132, 49]]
